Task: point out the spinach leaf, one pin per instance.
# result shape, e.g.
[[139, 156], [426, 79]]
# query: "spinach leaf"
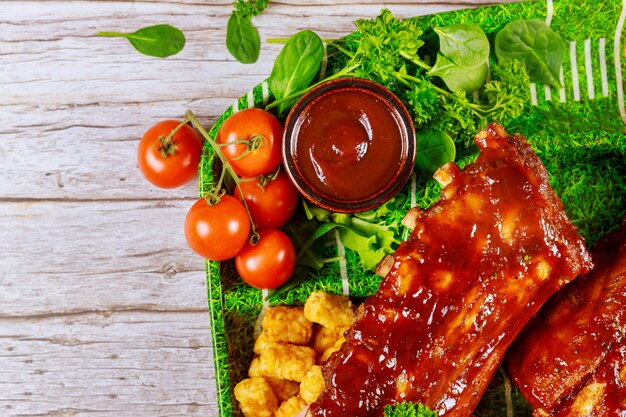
[[463, 56], [434, 149], [296, 66], [459, 78], [242, 39], [159, 41], [536, 46], [465, 45]]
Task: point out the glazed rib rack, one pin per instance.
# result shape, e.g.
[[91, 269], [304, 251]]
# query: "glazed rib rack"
[[477, 266], [571, 361]]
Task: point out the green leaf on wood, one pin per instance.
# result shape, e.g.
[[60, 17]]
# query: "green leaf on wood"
[[159, 41], [242, 39]]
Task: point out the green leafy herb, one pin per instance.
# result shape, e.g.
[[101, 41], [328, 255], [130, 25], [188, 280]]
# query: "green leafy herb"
[[296, 65], [463, 56], [242, 37], [408, 410], [533, 43], [370, 234], [459, 78], [434, 149], [160, 40], [384, 45], [501, 100], [465, 45], [250, 8]]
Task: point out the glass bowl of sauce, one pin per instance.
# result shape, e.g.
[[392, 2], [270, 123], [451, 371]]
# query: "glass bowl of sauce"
[[349, 145]]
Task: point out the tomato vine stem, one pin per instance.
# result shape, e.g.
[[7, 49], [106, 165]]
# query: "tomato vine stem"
[[167, 142], [217, 150]]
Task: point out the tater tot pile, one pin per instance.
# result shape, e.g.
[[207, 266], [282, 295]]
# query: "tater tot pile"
[[286, 375]]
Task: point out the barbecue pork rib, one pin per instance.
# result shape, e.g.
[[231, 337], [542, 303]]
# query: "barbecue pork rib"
[[570, 360], [478, 264]]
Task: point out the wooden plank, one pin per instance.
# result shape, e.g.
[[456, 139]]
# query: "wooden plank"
[[69, 257], [91, 155], [107, 365]]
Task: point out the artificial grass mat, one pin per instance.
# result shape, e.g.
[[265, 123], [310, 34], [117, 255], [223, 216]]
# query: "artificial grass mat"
[[581, 143]]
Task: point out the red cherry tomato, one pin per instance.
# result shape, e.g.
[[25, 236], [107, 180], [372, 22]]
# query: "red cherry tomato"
[[271, 205], [247, 125], [177, 168], [217, 232], [269, 263]]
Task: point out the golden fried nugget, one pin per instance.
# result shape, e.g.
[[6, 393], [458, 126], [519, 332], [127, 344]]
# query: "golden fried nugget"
[[255, 368], [287, 324], [329, 310], [332, 350], [286, 361], [324, 337], [256, 398], [312, 384], [261, 343], [291, 407], [283, 388]]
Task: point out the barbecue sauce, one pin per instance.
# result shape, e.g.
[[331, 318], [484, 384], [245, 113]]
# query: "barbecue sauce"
[[350, 144]]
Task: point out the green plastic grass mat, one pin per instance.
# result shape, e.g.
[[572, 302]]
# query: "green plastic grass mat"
[[578, 131]]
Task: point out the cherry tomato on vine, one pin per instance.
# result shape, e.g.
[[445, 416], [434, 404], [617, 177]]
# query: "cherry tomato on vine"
[[264, 134], [269, 263], [272, 204], [217, 232], [169, 165]]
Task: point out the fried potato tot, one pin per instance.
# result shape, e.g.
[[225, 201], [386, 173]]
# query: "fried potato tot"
[[283, 388], [332, 350], [256, 398], [286, 361], [329, 310], [261, 343], [324, 337], [287, 325], [255, 368], [312, 384], [291, 407]]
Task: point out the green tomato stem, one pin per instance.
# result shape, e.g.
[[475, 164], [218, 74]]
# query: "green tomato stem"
[[111, 34], [254, 235], [167, 142]]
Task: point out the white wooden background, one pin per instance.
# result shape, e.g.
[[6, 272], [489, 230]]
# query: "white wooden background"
[[103, 308]]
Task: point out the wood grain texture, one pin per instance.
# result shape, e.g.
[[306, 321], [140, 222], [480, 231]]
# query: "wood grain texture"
[[124, 364], [97, 256], [102, 305]]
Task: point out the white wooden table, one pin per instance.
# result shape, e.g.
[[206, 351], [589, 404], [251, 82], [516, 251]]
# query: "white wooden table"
[[103, 308]]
